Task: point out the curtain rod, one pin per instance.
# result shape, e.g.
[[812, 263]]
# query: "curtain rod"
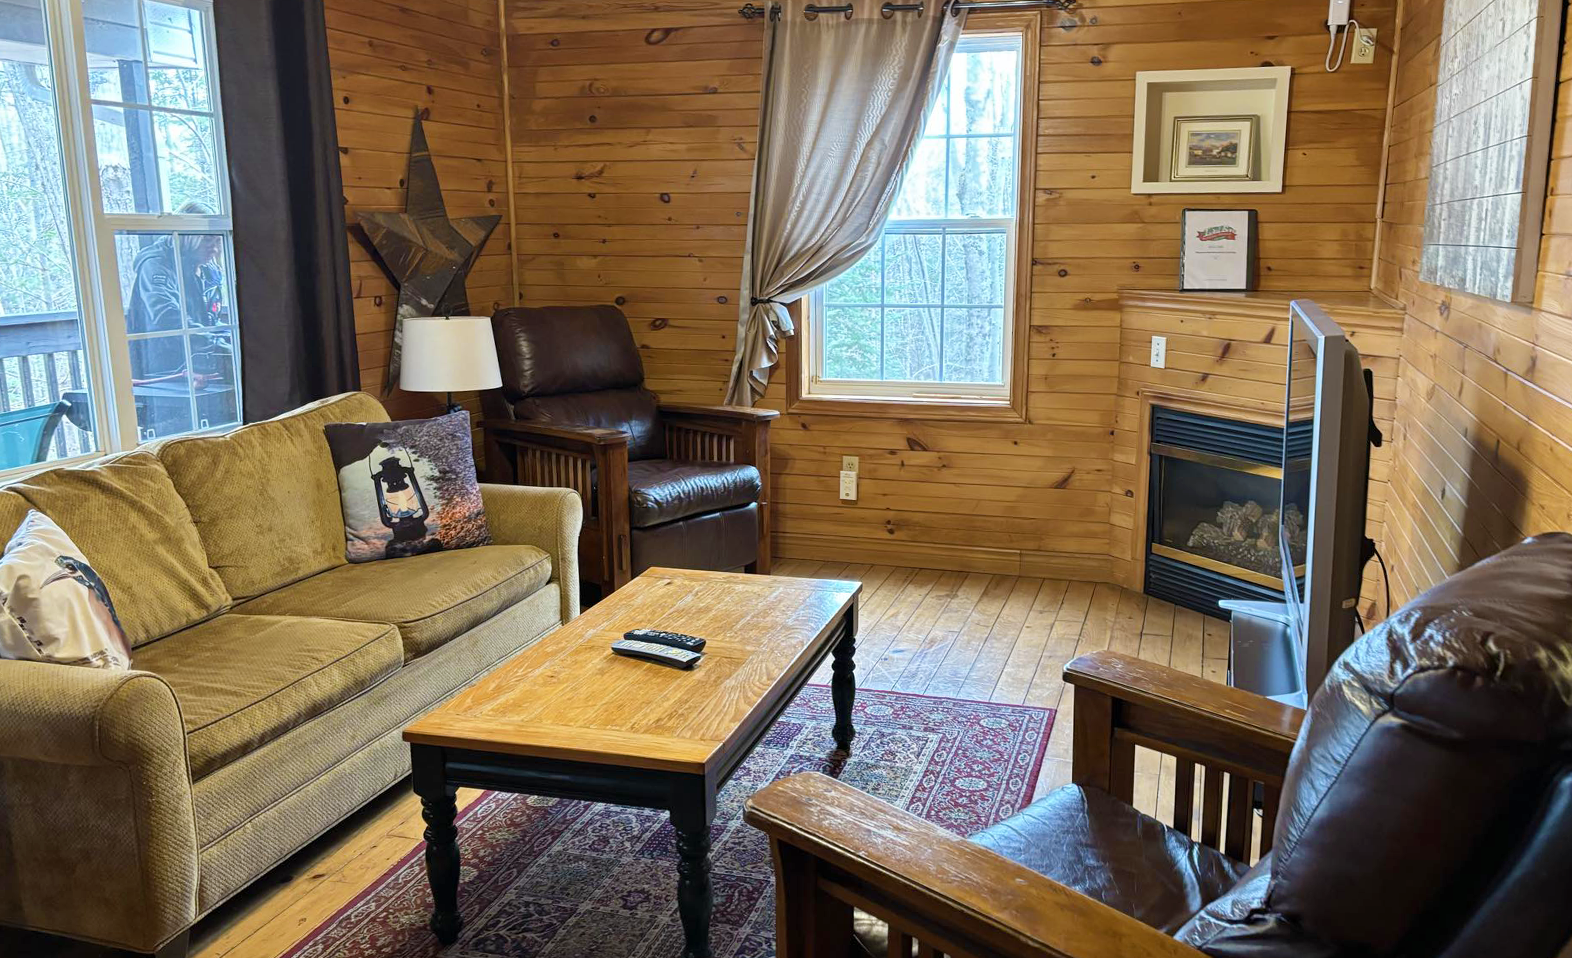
[[751, 11]]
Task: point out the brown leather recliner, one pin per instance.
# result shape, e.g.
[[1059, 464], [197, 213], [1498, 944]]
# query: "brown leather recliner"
[[1421, 807], [663, 484]]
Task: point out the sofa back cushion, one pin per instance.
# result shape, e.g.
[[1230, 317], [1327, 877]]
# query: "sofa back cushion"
[[264, 497], [135, 531], [1419, 766]]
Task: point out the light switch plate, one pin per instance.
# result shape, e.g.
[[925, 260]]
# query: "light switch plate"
[[1159, 352], [1364, 46], [848, 464], [848, 486]]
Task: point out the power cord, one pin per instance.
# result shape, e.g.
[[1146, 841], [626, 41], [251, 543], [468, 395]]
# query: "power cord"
[[1386, 580], [1341, 47]]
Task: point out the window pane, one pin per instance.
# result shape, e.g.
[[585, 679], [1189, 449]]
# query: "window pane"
[[974, 345], [152, 159], [176, 290], [974, 268], [983, 91], [982, 176], [852, 342], [912, 272], [860, 284], [177, 51], [922, 189], [43, 371], [911, 345]]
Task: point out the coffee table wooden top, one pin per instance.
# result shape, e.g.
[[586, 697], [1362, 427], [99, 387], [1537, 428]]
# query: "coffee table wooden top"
[[569, 697]]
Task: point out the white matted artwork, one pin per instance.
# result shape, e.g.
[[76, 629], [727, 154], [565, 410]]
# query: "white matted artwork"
[[1490, 148]]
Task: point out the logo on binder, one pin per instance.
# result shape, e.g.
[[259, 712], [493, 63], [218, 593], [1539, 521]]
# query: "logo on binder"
[[1214, 233]]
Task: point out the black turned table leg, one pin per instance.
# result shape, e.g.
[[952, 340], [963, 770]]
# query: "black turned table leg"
[[439, 809], [843, 686], [695, 900]]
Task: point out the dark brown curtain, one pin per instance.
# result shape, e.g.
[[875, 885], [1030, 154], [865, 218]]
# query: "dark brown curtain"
[[297, 322]]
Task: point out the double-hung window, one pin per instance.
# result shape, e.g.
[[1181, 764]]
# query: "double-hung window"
[[928, 316], [116, 251]]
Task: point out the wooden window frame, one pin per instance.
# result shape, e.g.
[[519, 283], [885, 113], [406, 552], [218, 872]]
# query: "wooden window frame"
[[1011, 407]]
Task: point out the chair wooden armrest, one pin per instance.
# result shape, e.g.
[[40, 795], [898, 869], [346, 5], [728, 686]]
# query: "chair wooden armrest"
[[592, 462], [526, 430], [745, 413], [837, 848], [1122, 703]]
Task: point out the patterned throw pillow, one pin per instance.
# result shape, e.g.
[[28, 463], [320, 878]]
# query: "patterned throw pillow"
[[407, 487], [53, 606]]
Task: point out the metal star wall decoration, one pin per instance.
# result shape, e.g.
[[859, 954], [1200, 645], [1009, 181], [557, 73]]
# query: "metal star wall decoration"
[[427, 253]]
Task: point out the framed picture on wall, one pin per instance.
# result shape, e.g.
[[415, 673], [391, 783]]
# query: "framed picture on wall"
[[1214, 148], [1217, 251]]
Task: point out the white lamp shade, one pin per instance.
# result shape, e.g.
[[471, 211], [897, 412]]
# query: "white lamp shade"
[[448, 354]]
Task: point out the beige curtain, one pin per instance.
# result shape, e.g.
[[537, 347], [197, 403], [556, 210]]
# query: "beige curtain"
[[844, 102]]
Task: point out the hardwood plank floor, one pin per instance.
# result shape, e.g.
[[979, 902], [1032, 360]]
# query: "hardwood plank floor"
[[996, 638]]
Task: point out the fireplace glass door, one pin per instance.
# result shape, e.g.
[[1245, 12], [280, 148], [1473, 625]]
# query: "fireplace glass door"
[[1218, 513]]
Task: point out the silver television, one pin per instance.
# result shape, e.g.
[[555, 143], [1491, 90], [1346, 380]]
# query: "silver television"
[[1327, 434]]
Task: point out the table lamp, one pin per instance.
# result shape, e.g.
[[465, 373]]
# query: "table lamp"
[[449, 354]]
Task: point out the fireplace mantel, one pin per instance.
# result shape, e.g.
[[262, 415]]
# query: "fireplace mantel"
[[1225, 358]]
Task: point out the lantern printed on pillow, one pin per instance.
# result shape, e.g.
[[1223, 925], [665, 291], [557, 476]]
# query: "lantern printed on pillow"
[[53, 606], [407, 487]]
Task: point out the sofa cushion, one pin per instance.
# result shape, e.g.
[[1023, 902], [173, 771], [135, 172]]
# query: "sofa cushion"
[[665, 490], [431, 598], [265, 496], [135, 530], [244, 680], [1090, 841]]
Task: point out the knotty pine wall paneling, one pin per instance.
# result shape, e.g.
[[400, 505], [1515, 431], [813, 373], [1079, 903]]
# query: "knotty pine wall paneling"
[[443, 58], [1484, 429], [633, 138]]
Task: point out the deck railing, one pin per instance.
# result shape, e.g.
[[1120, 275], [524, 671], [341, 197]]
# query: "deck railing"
[[41, 358]]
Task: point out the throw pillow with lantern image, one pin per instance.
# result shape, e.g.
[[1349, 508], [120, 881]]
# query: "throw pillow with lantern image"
[[407, 488]]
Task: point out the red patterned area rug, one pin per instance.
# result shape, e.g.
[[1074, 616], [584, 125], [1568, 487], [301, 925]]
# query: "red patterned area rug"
[[548, 878]]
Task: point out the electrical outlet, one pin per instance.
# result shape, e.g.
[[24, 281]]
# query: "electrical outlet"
[[1159, 352], [848, 486], [1364, 46], [848, 464]]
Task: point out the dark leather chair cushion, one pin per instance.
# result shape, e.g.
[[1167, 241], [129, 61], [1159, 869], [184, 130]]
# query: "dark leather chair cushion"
[[1090, 841], [665, 490], [1412, 767], [718, 541], [550, 350], [635, 411]]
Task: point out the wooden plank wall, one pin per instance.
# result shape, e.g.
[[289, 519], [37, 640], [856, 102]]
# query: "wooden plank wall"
[[443, 58], [1484, 446], [634, 126]]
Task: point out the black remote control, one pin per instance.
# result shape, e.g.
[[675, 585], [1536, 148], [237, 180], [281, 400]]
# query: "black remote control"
[[676, 640], [664, 654]]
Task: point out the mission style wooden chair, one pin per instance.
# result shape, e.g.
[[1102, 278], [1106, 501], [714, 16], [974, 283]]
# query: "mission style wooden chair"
[[663, 484], [1421, 807]]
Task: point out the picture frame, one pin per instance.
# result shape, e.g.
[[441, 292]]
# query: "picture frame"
[[1217, 251], [1214, 148]]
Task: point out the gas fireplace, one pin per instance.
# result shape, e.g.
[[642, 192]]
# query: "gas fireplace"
[[1212, 510]]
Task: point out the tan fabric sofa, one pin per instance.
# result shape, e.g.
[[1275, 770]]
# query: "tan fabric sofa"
[[270, 680]]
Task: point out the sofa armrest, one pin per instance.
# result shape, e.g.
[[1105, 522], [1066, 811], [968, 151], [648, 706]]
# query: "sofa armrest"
[[836, 847], [96, 816], [546, 518]]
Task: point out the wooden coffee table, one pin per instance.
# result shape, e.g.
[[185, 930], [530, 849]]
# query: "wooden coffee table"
[[568, 719]]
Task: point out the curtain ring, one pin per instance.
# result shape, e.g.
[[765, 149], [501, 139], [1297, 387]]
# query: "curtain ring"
[[891, 9], [812, 11]]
